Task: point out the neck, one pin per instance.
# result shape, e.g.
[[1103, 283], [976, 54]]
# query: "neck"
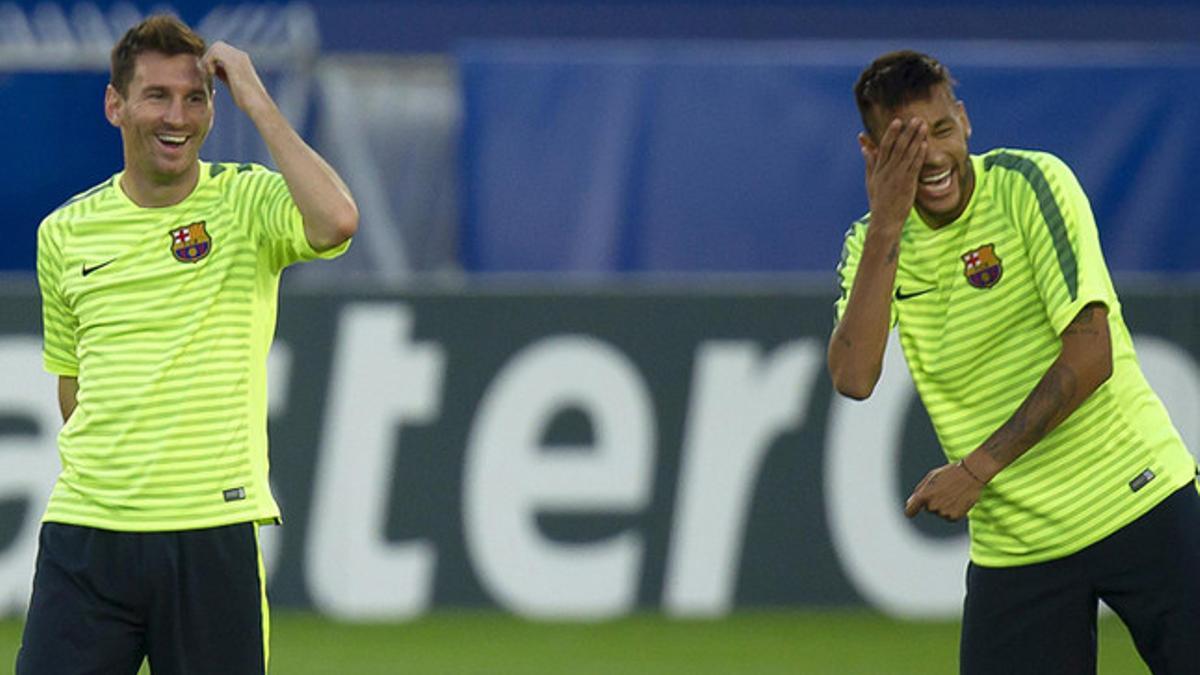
[[147, 192]]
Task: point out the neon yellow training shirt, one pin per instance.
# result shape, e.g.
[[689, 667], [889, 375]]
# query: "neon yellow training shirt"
[[166, 316], [980, 304]]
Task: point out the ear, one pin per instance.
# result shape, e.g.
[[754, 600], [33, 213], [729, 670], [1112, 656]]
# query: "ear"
[[865, 142], [114, 106], [962, 115]]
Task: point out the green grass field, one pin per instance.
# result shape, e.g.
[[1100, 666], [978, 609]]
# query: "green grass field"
[[825, 643]]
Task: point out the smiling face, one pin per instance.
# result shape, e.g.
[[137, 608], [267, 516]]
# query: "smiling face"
[[947, 179], [164, 117]]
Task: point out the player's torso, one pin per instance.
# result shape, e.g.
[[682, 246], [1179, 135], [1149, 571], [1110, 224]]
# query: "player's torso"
[[170, 337], [129, 275], [965, 298]]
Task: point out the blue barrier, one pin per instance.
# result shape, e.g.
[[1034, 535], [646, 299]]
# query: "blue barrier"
[[420, 26], [56, 143], [641, 157]]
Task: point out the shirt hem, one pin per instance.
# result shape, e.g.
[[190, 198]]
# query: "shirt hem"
[[60, 368], [1057, 554], [165, 525]]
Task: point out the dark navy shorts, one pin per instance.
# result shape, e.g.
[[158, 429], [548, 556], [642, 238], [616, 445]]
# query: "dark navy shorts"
[[1042, 618], [191, 601]]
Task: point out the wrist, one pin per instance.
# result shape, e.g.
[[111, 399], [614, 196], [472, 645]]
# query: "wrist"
[[886, 226], [962, 464], [981, 466], [272, 125], [261, 109]]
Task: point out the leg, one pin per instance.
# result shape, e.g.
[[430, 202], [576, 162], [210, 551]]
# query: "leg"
[[1029, 619], [85, 615], [208, 608], [1154, 582]]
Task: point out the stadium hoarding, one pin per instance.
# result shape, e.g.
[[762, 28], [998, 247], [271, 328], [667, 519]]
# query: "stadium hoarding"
[[575, 453]]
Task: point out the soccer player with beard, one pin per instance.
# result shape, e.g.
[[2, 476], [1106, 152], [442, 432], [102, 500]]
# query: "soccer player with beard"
[[1076, 485], [159, 291]]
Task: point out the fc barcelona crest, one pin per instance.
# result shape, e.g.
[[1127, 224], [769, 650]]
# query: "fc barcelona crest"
[[191, 243], [982, 267]]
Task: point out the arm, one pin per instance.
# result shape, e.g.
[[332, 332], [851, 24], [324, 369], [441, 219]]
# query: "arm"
[[855, 353], [68, 391], [1084, 363], [329, 211]]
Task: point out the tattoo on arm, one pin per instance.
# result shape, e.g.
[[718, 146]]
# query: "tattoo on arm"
[[893, 254], [1046, 406], [1066, 384]]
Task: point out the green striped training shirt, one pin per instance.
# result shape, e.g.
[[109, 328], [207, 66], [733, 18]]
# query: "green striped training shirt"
[[980, 304], [165, 316]]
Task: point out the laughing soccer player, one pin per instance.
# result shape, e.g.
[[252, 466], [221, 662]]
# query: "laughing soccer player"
[[1076, 484], [159, 292]]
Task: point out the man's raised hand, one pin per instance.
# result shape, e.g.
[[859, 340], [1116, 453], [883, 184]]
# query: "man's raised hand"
[[233, 67], [892, 168]]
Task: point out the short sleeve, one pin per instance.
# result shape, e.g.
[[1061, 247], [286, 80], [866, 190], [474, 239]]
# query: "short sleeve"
[[59, 326], [277, 226], [852, 249], [1059, 230]]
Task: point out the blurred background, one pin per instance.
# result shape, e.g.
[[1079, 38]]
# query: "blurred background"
[[572, 369]]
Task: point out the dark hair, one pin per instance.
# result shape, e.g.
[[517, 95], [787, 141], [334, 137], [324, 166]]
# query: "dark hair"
[[161, 33], [896, 79]]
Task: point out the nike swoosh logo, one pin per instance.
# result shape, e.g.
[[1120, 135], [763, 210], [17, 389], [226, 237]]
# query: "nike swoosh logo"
[[88, 270], [901, 295]]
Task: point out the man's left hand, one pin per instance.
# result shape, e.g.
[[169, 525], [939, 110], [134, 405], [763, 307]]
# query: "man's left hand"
[[948, 491]]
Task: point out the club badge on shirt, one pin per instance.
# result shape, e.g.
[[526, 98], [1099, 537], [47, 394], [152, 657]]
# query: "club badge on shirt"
[[982, 266], [191, 243]]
